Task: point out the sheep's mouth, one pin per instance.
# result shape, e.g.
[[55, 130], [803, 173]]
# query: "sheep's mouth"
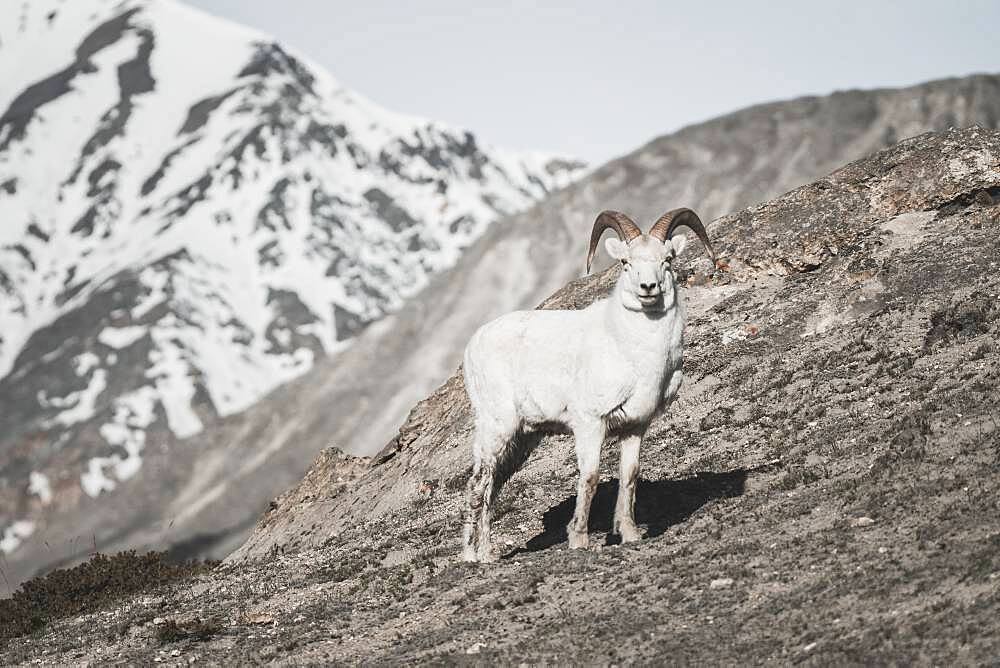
[[650, 300]]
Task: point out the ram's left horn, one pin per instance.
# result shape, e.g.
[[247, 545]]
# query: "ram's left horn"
[[668, 223]]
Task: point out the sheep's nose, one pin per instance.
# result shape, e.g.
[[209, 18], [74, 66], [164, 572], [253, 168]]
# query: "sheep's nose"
[[647, 287]]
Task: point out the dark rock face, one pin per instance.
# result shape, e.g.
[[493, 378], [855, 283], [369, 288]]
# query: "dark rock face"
[[824, 488], [386, 209]]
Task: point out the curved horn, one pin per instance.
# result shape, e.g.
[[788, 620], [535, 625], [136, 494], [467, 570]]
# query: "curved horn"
[[664, 228], [619, 222]]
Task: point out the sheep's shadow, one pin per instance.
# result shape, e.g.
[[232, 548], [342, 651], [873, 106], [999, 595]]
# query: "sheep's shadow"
[[659, 504]]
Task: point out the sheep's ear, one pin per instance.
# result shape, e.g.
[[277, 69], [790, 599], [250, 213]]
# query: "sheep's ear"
[[616, 248], [678, 242]]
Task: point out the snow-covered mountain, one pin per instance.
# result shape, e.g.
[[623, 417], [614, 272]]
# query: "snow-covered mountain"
[[190, 215]]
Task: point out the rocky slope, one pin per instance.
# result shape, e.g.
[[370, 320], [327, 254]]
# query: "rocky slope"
[[192, 216], [357, 401], [843, 272], [824, 489]]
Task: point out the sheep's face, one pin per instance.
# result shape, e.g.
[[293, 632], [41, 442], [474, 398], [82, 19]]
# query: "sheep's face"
[[647, 279]]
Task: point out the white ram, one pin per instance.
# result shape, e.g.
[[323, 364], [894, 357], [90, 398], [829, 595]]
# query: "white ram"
[[602, 371]]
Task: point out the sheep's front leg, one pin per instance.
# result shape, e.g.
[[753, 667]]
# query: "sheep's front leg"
[[589, 440], [628, 474]]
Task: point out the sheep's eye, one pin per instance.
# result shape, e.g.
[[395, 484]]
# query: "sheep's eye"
[[625, 263]]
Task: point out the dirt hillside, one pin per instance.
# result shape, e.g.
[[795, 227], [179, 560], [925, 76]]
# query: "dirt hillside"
[[824, 490]]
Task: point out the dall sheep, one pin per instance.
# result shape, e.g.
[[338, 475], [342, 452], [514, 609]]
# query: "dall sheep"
[[602, 371]]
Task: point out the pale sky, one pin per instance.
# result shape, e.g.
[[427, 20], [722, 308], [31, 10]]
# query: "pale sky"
[[598, 79]]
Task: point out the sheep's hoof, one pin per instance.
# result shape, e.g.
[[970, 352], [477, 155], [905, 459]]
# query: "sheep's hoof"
[[578, 540], [488, 556], [629, 533]]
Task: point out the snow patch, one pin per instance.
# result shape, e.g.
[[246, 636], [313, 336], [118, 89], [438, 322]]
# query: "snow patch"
[[94, 481], [84, 362], [38, 484], [120, 337], [172, 375], [16, 534], [81, 405], [156, 282], [133, 413]]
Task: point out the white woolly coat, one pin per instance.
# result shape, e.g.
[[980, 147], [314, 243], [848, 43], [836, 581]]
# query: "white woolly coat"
[[605, 362]]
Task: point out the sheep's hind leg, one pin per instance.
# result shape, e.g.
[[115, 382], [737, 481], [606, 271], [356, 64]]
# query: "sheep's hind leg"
[[589, 440], [480, 494], [628, 474], [484, 552]]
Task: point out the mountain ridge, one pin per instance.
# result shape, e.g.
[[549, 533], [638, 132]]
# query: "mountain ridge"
[[194, 215]]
